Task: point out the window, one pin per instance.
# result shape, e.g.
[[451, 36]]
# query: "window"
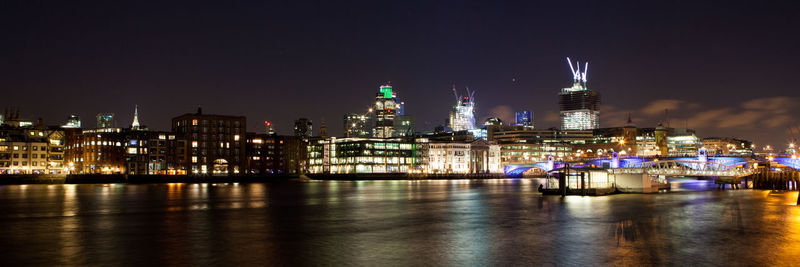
[[236, 137], [194, 143], [194, 122]]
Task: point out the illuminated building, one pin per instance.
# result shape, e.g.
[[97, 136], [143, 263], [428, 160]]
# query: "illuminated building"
[[135, 124], [479, 156], [683, 142], [462, 116], [36, 150], [11, 118], [579, 105], [355, 125], [147, 152], [270, 154], [98, 151], [524, 118], [105, 120], [405, 125], [210, 144], [73, 122], [492, 121], [363, 155], [386, 108], [303, 128], [727, 146], [523, 145], [660, 140]]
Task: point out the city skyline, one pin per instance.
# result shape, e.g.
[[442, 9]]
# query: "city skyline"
[[729, 76]]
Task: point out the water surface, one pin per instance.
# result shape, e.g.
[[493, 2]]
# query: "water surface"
[[391, 223]]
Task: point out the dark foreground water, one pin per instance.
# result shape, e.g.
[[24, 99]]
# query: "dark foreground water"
[[391, 223]]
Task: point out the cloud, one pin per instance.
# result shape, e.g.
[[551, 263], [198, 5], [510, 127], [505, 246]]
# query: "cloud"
[[709, 117], [658, 106], [746, 118]]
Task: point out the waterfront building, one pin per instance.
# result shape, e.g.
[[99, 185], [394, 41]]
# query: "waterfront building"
[[99, 151], [355, 125], [105, 120], [386, 109], [524, 118], [210, 144], [270, 154], [462, 116], [727, 146], [303, 128], [31, 150], [479, 156], [148, 152], [363, 155], [524, 145], [579, 106]]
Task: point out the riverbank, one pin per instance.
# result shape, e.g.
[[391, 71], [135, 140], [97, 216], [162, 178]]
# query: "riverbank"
[[143, 179], [133, 179]]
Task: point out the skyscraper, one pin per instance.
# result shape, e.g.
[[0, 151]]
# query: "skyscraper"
[[385, 112], [355, 125], [303, 127], [105, 120], [462, 116], [524, 118], [579, 105]]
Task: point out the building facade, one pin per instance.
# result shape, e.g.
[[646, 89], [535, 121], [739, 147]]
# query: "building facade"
[[210, 144], [386, 109], [579, 106]]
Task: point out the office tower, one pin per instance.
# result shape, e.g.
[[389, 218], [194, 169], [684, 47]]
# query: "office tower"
[[385, 111], [462, 116], [105, 120], [579, 105]]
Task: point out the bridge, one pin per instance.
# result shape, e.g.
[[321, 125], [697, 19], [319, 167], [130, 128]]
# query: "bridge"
[[684, 168], [615, 162]]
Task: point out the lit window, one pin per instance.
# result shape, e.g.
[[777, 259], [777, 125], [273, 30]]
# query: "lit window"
[[194, 159], [236, 137], [194, 122], [194, 143]]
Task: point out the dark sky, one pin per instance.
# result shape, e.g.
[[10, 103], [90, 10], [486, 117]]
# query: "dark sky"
[[726, 68]]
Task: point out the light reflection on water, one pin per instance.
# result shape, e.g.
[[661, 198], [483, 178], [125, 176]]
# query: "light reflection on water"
[[419, 222]]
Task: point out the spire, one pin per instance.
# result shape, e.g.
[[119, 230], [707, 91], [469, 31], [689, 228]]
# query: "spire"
[[323, 131], [135, 124]]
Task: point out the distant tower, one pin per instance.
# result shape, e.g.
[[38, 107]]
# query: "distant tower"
[[323, 131], [579, 105], [629, 133], [270, 131], [105, 120], [73, 122], [462, 116], [303, 127], [135, 125], [524, 118], [661, 140], [355, 125], [385, 112]]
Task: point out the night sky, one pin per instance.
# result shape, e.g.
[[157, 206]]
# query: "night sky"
[[724, 68]]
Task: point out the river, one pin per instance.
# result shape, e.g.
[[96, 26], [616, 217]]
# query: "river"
[[392, 223]]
